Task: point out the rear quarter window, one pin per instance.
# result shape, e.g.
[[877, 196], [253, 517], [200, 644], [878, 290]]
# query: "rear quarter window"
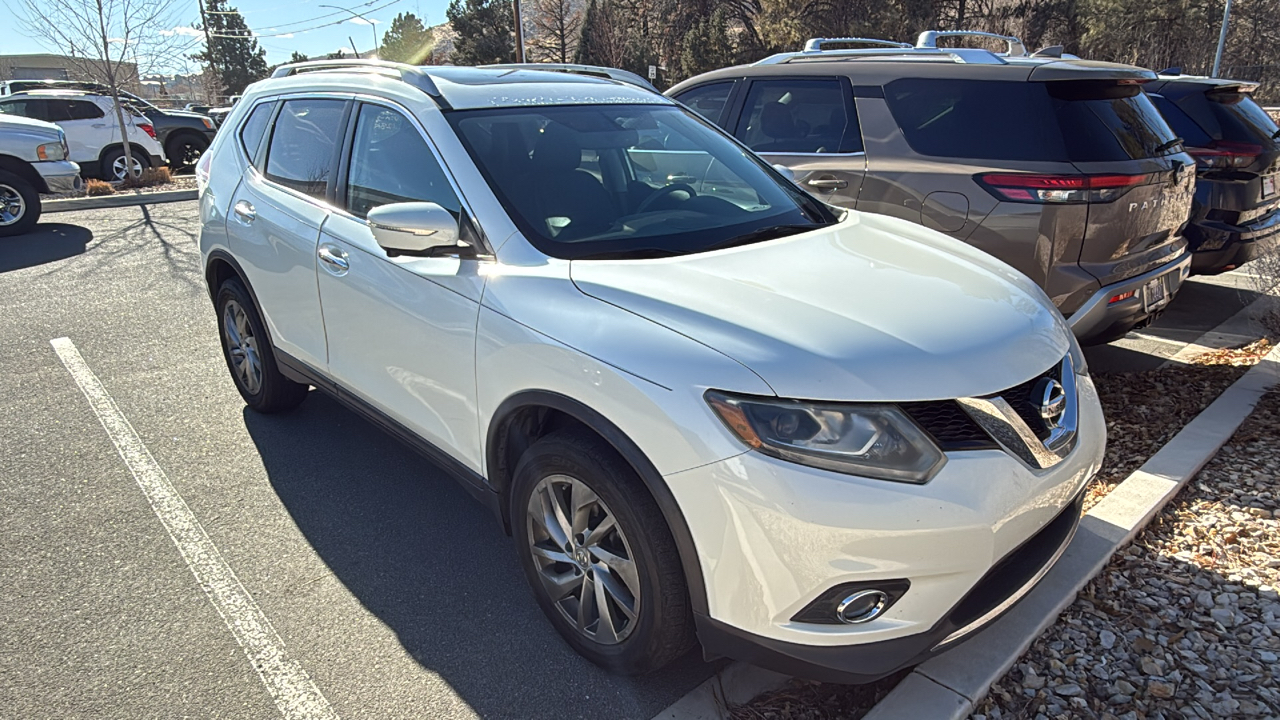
[[252, 130], [982, 119], [1102, 121]]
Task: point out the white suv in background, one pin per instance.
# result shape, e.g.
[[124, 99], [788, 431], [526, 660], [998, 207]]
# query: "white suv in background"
[[93, 131], [825, 442]]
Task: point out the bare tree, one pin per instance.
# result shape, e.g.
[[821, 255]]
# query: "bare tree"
[[108, 40], [557, 26]]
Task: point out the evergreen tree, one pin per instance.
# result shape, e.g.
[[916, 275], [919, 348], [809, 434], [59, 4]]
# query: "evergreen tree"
[[486, 31], [408, 40], [235, 56], [297, 57]]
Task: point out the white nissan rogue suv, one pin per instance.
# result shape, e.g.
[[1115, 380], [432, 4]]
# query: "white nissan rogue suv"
[[705, 405]]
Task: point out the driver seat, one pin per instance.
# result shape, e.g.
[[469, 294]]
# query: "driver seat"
[[571, 201]]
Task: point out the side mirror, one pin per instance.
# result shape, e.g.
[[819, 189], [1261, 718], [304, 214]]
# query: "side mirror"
[[413, 228], [787, 172]]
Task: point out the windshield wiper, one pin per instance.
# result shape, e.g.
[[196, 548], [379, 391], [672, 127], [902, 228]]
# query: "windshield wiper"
[[1275, 134], [642, 253], [1166, 145], [765, 233]]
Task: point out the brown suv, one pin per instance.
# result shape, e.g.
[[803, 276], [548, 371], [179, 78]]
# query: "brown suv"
[[1060, 167]]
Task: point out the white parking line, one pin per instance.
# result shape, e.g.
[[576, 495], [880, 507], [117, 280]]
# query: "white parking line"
[[294, 693]]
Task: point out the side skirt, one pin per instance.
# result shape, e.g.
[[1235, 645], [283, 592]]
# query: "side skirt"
[[473, 482]]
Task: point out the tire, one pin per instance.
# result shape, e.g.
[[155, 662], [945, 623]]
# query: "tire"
[[109, 170], [249, 355], [19, 205], [184, 149], [557, 468]]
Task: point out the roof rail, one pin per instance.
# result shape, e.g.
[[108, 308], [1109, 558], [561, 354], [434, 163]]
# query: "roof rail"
[[929, 39], [598, 71], [815, 44], [411, 74], [969, 56]]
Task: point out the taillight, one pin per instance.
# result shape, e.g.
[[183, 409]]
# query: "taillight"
[[1030, 188], [1222, 154], [202, 171], [148, 129]]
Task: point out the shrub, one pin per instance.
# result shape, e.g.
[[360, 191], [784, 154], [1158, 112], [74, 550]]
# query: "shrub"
[[149, 178], [98, 187]]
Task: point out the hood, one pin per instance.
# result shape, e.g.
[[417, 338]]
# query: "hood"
[[871, 309], [25, 123]]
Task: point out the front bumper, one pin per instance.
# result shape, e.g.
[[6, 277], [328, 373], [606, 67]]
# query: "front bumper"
[[1217, 246], [61, 176], [1099, 320], [772, 536], [994, 595]]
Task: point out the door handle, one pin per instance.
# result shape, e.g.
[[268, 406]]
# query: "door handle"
[[244, 210], [827, 183], [334, 259]]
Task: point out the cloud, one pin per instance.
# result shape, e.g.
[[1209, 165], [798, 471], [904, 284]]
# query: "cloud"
[[362, 21], [184, 31]]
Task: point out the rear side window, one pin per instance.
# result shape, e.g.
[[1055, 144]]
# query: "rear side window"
[[252, 130], [1064, 121], [708, 100], [84, 110], [392, 163], [800, 116], [1182, 124], [983, 119], [300, 155]]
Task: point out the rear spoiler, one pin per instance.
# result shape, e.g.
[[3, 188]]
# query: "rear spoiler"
[[607, 73], [1091, 70]]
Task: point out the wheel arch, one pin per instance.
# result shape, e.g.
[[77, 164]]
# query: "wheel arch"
[[219, 268], [23, 169], [135, 147], [526, 416], [177, 134]]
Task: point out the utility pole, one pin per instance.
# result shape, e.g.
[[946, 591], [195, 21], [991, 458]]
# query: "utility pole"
[[1222, 40], [515, 8], [372, 26], [215, 76]]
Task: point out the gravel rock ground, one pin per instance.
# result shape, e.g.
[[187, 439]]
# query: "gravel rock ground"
[[1185, 622]]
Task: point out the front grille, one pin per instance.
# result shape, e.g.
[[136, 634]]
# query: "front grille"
[[1022, 399], [949, 425]]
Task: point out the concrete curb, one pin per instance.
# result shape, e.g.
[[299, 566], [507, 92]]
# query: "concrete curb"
[[118, 200], [735, 684], [1239, 329], [952, 684]]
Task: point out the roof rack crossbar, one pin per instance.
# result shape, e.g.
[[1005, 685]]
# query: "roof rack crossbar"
[[929, 39], [411, 74], [624, 76], [970, 56], [815, 44]]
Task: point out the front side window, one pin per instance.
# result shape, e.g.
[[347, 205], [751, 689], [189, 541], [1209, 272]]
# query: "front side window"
[[708, 100], [392, 163], [593, 181], [301, 151], [800, 116], [30, 108]]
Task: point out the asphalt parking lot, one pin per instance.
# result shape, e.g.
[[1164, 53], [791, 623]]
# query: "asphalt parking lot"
[[394, 591], [385, 582]]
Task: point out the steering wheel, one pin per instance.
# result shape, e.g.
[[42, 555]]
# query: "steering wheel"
[[663, 192]]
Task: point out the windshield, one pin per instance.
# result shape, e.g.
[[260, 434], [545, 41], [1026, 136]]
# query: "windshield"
[[594, 181]]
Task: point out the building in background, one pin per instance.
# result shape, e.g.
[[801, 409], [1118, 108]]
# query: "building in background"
[[59, 67]]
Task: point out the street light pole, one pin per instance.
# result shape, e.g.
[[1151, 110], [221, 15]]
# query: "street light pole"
[[515, 9], [1222, 40], [362, 17]]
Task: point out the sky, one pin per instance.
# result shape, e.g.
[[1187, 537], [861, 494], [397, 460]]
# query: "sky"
[[282, 26]]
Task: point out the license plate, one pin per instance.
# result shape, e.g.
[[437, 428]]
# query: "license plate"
[[1154, 294], [1268, 186]]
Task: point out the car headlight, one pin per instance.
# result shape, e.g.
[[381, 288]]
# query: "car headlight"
[[51, 152], [871, 440]]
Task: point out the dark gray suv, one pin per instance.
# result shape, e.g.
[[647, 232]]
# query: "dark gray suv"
[[1058, 166]]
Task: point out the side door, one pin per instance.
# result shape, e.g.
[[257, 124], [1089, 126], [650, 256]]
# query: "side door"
[[276, 214], [810, 125], [401, 329], [87, 127]]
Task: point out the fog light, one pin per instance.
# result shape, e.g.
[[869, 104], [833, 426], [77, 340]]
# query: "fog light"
[[862, 606]]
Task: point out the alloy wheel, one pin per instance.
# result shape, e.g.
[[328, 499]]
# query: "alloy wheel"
[[583, 559], [118, 168], [242, 346], [12, 206]]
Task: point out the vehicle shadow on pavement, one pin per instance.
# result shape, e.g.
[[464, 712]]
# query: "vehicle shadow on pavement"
[[47, 243], [435, 566]]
